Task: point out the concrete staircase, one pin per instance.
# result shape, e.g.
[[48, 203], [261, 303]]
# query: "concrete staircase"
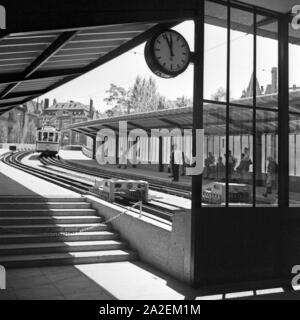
[[30, 233]]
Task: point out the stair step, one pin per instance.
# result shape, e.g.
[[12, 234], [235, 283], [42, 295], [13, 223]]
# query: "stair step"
[[41, 199], [58, 247], [48, 220], [36, 231], [66, 258], [41, 228], [44, 205], [52, 237], [47, 212]]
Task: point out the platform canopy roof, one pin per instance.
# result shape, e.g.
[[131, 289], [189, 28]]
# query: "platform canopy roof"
[[47, 43], [32, 64], [214, 117]]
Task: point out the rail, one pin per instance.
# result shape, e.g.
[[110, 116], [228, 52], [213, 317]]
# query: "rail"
[[108, 175], [87, 152], [14, 160]]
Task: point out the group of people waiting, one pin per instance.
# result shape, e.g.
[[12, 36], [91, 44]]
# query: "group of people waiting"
[[239, 173], [217, 170]]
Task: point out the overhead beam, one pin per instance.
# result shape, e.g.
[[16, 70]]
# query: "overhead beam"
[[23, 94], [130, 44], [5, 108], [43, 58], [94, 128], [49, 52], [51, 14], [132, 124], [84, 133], [265, 22], [171, 123], [9, 104], [109, 127], [40, 75]]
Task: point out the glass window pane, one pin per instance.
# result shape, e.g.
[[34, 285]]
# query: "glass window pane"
[[240, 170], [294, 117], [294, 159], [241, 57], [267, 63], [51, 136], [215, 52], [266, 158], [214, 175]]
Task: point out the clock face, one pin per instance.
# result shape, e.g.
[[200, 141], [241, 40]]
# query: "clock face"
[[167, 54], [171, 51]]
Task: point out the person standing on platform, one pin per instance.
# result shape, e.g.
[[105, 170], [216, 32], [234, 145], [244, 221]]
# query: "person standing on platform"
[[220, 170], [176, 161], [210, 167], [171, 162], [123, 159], [247, 162], [272, 171], [231, 165]]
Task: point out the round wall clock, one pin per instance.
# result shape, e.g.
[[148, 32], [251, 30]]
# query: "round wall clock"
[[167, 54]]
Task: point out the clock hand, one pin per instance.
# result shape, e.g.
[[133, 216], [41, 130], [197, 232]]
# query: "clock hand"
[[171, 45]]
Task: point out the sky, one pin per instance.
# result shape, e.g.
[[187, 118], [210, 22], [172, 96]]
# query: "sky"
[[123, 70]]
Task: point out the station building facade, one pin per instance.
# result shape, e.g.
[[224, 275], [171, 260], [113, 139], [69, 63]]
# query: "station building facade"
[[62, 114]]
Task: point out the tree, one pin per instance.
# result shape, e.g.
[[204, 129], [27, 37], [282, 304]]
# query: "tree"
[[30, 133], [162, 103], [220, 95], [14, 135], [182, 102], [3, 133], [109, 113], [143, 95], [118, 97]]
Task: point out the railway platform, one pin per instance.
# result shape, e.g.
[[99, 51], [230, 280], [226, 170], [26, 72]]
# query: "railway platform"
[[77, 158], [18, 183], [122, 281]]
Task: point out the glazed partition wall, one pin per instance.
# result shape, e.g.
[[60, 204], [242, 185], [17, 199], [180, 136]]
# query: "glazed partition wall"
[[294, 116], [240, 107], [240, 230]]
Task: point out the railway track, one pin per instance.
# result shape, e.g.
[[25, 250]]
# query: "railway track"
[[104, 174], [62, 180]]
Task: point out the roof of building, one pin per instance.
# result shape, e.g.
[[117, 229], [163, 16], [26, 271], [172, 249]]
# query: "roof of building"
[[70, 105], [241, 119]]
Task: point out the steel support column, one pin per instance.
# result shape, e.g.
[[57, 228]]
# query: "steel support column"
[[117, 149], [197, 124], [160, 155], [94, 147], [283, 142], [283, 112]]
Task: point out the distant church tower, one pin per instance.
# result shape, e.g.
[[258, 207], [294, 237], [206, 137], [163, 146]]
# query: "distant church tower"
[[249, 92]]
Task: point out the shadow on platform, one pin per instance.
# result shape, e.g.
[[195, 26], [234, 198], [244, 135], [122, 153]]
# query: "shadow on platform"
[[9, 187]]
